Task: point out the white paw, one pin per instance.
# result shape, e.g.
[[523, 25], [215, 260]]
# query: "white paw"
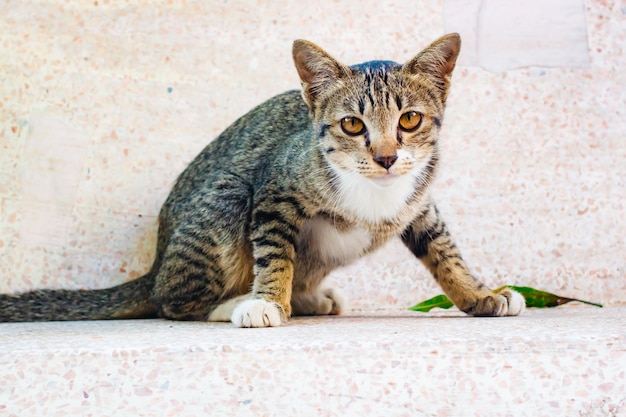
[[256, 313], [503, 303], [516, 302], [325, 302], [334, 301]]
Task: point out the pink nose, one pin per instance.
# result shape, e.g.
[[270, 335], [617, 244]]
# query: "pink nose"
[[386, 161]]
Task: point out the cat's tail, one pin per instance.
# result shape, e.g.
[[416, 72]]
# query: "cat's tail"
[[126, 301]]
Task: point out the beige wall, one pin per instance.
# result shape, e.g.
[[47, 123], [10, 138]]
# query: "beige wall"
[[103, 103]]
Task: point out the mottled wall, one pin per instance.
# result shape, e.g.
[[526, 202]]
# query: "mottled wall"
[[103, 103]]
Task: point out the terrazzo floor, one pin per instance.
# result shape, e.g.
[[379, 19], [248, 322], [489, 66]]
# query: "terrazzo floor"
[[566, 361]]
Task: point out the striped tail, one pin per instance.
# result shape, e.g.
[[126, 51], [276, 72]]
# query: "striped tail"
[[126, 301]]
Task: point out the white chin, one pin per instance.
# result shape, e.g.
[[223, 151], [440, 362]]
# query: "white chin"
[[386, 180]]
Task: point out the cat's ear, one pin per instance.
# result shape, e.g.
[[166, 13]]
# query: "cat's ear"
[[437, 61], [318, 70]]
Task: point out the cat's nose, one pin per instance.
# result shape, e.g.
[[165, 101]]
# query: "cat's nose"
[[386, 161]]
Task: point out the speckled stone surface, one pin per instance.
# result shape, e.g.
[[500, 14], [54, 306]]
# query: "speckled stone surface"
[[569, 361]]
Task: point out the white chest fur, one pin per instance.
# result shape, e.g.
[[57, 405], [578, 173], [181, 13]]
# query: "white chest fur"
[[375, 201], [330, 244]]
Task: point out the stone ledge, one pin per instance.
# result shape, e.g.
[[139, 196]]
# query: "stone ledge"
[[565, 361]]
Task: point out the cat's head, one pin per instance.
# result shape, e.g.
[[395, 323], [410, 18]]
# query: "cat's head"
[[379, 120]]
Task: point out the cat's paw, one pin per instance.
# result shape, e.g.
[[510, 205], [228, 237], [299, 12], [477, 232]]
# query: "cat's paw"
[[257, 313], [325, 302], [516, 302], [335, 301], [503, 303]]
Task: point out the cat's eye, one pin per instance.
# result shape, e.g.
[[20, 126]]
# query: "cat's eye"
[[410, 121], [352, 126]]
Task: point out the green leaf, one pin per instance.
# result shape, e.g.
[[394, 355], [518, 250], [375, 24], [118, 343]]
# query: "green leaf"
[[543, 299], [440, 301], [534, 298]]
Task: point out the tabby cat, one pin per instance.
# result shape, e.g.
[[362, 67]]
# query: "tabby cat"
[[302, 184]]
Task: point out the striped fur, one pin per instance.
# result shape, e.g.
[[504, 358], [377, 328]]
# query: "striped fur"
[[286, 194]]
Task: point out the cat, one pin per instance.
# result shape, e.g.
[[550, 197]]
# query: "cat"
[[304, 183]]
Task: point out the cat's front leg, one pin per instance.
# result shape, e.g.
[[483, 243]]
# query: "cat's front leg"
[[274, 228], [429, 239]]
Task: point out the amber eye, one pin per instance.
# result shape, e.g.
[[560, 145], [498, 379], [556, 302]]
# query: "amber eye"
[[352, 126], [410, 121]]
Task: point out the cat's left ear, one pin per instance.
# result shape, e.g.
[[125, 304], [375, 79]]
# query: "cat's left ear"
[[318, 70], [437, 61]]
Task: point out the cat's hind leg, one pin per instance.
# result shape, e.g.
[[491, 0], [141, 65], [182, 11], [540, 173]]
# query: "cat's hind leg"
[[205, 257], [190, 280]]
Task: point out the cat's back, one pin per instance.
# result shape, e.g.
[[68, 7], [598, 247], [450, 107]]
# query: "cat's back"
[[252, 143], [260, 134]]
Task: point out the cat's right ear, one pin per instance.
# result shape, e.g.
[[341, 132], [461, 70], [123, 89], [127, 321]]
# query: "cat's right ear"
[[318, 70]]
